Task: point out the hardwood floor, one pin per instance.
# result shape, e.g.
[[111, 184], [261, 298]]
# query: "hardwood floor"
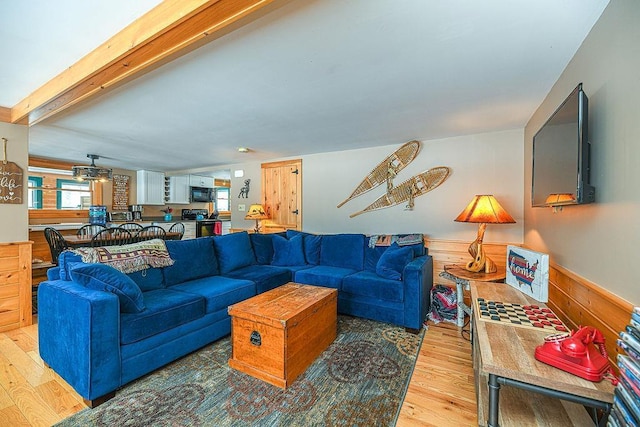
[[441, 392]]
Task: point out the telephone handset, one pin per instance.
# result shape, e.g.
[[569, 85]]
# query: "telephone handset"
[[582, 353]]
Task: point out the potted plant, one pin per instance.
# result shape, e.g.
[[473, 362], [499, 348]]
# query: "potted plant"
[[167, 213]]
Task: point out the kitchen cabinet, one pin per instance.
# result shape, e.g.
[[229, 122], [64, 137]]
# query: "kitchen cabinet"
[[176, 189], [150, 188], [201, 181], [189, 230]]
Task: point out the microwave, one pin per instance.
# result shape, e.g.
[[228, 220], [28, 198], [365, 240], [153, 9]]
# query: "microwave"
[[201, 194]]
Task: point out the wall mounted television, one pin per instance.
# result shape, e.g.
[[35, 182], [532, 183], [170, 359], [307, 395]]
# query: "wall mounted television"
[[561, 156]]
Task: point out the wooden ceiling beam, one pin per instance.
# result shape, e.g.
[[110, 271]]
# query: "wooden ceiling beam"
[[169, 30], [5, 114]]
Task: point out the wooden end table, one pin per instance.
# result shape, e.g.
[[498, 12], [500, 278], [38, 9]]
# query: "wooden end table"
[[461, 276], [514, 388]]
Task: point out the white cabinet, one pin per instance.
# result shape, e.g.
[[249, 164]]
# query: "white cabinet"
[[176, 190], [189, 230], [150, 188], [226, 227], [201, 181]]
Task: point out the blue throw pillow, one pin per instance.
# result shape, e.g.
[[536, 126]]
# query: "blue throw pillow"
[[234, 251], [288, 252], [393, 261], [311, 245], [103, 277], [262, 247]]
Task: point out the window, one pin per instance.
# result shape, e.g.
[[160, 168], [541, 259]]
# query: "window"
[[73, 194], [34, 195], [222, 199]]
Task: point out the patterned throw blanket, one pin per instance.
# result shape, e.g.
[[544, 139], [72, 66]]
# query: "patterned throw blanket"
[[129, 258], [400, 239]]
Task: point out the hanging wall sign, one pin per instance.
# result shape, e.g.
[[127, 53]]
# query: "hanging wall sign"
[[120, 198], [11, 179]]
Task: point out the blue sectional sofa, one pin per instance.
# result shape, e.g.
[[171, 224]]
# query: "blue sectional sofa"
[[100, 328]]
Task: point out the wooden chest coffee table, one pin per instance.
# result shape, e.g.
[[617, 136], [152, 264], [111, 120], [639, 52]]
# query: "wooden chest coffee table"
[[276, 335]]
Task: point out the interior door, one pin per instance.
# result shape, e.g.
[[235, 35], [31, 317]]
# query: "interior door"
[[282, 194]]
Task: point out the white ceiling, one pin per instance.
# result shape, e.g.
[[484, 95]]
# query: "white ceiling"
[[311, 76]]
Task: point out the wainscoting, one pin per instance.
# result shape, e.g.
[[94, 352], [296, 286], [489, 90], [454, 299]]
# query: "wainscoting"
[[576, 300]]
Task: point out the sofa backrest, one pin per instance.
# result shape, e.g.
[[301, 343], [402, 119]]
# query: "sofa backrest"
[[193, 259], [343, 250], [233, 251]]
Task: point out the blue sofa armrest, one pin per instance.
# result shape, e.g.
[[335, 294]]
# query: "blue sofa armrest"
[[78, 336], [53, 273], [417, 278]]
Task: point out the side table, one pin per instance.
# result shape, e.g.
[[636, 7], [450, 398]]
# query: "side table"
[[461, 276]]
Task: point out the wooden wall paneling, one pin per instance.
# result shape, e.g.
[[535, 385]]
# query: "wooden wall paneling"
[[580, 302], [447, 252], [5, 114]]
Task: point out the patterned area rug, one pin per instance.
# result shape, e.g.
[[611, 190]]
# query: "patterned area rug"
[[359, 380]]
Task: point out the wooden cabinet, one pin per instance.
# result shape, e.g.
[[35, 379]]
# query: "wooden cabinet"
[[150, 188], [177, 189], [201, 181], [282, 194], [15, 285]]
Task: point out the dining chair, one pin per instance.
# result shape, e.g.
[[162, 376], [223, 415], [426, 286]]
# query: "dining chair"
[[133, 227], [151, 232], [111, 237], [178, 227], [90, 230], [56, 242]]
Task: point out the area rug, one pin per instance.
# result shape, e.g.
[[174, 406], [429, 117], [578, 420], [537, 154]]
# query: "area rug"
[[359, 380]]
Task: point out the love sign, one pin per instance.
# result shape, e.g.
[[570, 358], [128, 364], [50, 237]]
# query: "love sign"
[[10, 183]]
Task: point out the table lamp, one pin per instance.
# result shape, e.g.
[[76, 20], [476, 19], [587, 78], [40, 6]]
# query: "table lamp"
[[483, 209], [256, 212]]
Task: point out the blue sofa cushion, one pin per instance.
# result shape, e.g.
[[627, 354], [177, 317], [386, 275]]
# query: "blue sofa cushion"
[[103, 277], [219, 292], [311, 245], [393, 261], [193, 258], [262, 247], [234, 251], [288, 252], [369, 284], [66, 260], [149, 279], [265, 277], [322, 275], [343, 250], [166, 309]]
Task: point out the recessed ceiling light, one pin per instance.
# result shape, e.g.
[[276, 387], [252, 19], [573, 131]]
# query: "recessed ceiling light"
[[243, 150]]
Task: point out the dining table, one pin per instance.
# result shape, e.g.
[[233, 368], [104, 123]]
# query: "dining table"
[[75, 241]]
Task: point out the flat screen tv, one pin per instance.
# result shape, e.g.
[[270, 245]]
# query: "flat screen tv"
[[561, 152]]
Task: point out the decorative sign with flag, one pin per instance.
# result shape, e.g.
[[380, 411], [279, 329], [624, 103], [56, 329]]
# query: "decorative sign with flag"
[[528, 271]]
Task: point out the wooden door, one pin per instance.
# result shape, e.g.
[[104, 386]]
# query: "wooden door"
[[282, 194]]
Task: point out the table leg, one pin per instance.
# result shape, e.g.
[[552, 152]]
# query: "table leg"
[[460, 303], [494, 400]]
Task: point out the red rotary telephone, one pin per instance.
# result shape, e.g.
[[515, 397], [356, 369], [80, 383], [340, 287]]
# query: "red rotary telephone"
[[577, 354]]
